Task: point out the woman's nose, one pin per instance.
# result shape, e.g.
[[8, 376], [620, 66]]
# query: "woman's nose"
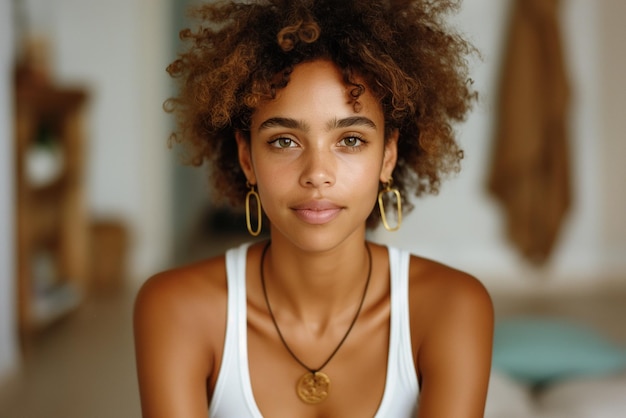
[[318, 168]]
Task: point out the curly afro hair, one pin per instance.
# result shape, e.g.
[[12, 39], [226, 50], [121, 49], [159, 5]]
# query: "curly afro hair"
[[241, 53]]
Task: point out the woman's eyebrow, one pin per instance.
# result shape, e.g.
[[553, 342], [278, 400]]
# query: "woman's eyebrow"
[[290, 123], [280, 122], [351, 121]]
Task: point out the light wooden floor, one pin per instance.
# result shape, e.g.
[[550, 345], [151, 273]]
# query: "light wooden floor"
[[83, 367]]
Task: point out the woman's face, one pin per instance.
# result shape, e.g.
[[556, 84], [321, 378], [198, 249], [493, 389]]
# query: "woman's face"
[[317, 162]]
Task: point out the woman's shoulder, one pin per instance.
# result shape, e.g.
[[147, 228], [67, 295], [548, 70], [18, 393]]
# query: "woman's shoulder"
[[188, 282], [451, 319], [442, 281], [179, 326], [186, 296], [440, 294]]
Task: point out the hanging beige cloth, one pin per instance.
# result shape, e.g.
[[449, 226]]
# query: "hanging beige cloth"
[[530, 169]]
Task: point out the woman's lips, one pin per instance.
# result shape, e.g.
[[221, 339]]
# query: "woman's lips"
[[317, 212]]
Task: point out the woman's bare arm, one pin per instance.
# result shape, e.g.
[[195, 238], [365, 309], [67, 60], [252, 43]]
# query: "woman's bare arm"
[[173, 350], [455, 356]]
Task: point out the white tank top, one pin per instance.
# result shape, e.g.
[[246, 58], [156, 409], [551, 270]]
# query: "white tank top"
[[233, 398]]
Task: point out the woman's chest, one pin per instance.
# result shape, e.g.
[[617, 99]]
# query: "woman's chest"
[[353, 365]]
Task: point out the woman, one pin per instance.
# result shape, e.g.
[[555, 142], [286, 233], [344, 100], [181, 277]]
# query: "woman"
[[326, 114]]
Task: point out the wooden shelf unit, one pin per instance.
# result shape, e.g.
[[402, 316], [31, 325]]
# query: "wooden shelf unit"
[[52, 230]]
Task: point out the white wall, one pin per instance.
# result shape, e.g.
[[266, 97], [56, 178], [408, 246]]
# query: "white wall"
[[612, 70], [463, 226], [8, 346]]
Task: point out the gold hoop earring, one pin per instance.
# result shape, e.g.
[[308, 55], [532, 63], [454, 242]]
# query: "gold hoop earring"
[[381, 205], [253, 193]]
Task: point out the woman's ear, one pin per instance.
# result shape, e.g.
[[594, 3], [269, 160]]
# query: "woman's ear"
[[245, 156], [390, 156]]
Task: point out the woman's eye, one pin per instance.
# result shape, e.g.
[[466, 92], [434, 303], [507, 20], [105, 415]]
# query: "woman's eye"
[[351, 141], [283, 143]]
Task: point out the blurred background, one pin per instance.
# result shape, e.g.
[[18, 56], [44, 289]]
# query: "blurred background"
[[93, 201]]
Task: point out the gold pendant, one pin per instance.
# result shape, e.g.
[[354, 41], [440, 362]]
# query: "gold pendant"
[[313, 388]]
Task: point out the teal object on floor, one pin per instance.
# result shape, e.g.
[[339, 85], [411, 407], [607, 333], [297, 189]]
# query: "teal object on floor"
[[539, 350]]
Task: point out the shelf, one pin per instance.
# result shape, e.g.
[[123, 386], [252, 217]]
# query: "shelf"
[[54, 303], [52, 229]]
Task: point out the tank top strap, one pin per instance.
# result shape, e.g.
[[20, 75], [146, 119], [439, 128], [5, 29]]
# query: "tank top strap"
[[233, 381], [401, 388], [399, 261]]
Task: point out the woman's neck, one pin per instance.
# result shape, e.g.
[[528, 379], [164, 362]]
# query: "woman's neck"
[[316, 286]]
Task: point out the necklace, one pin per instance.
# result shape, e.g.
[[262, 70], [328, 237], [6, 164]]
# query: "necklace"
[[313, 386]]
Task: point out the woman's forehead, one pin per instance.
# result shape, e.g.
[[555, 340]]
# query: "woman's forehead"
[[319, 88]]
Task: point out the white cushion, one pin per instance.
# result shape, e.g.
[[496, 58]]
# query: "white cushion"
[[597, 397]]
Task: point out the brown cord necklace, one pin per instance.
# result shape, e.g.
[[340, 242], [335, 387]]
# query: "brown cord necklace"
[[314, 386]]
